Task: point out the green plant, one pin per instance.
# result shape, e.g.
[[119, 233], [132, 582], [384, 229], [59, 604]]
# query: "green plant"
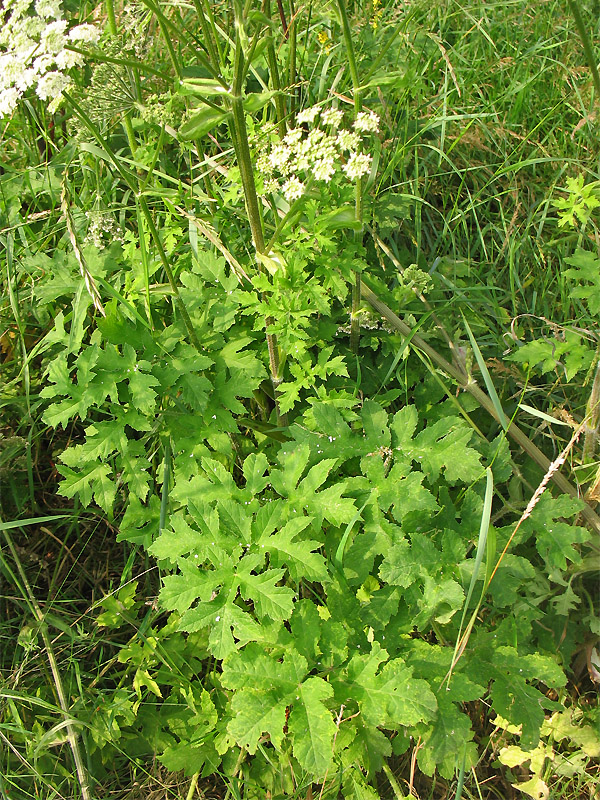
[[337, 585]]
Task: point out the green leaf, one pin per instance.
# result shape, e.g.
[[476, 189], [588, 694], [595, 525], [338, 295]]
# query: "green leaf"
[[254, 468], [444, 446], [176, 540], [269, 599], [401, 567], [91, 482], [586, 269], [298, 556], [447, 741], [512, 696], [142, 394], [266, 686], [255, 715], [311, 726], [390, 697], [305, 625], [201, 123], [570, 354], [556, 540]]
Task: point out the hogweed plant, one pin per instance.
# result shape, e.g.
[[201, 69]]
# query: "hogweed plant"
[[320, 536]]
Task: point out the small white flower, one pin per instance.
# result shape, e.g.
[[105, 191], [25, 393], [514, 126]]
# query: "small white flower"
[[53, 37], [48, 8], [358, 164], [67, 59], [348, 140], [263, 164], [333, 117], [366, 122], [292, 189], [280, 156], [8, 101], [271, 186], [293, 136], [324, 169], [51, 85], [84, 33], [42, 64], [26, 79], [308, 115]]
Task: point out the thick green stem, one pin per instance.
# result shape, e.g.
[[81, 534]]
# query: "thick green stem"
[[246, 173], [347, 33], [275, 80], [358, 201], [587, 45], [592, 427], [244, 159], [112, 20]]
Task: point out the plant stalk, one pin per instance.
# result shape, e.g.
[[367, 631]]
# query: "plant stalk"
[[244, 159], [587, 45], [275, 79], [358, 201]]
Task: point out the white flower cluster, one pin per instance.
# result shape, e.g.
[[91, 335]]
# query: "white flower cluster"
[[102, 229], [319, 152], [33, 40]]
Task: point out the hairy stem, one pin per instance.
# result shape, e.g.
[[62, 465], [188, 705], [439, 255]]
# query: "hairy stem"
[[275, 80], [244, 159], [358, 201]]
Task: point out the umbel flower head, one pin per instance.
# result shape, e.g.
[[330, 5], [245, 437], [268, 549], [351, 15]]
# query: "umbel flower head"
[[33, 51], [317, 153]]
